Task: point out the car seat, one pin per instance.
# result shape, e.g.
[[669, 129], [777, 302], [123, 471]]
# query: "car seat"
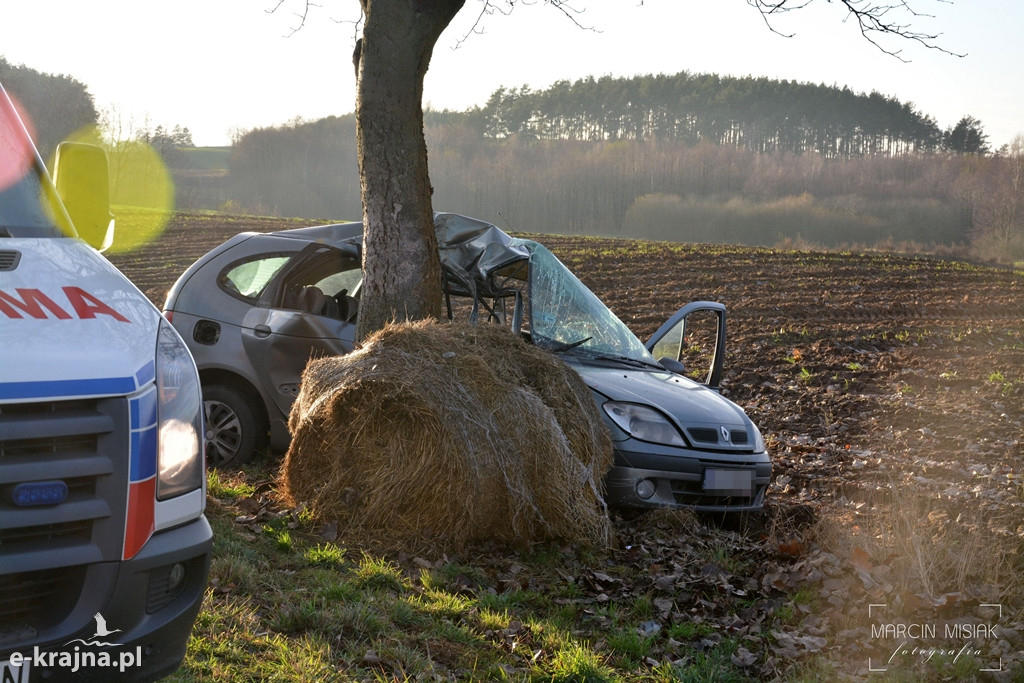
[[347, 306], [311, 300]]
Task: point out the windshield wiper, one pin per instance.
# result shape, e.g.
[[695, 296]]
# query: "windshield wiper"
[[567, 346], [631, 361], [555, 346]]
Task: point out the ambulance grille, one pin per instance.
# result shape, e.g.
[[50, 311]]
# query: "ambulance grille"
[[82, 444]]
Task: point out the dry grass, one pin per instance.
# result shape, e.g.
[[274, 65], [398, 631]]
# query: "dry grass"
[[925, 548], [448, 433]]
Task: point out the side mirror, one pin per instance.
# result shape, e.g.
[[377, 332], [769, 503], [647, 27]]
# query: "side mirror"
[[81, 176], [673, 365]]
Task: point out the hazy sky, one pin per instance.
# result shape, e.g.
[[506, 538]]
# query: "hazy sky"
[[221, 65]]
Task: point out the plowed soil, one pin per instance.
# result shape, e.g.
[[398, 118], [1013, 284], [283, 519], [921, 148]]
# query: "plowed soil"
[[891, 392], [839, 355], [842, 359]]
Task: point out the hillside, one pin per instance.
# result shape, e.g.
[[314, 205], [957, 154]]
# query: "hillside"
[[891, 390]]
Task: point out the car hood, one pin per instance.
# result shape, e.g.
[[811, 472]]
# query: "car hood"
[[75, 325], [686, 402]]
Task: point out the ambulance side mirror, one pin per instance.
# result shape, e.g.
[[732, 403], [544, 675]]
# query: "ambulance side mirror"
[[80, 174]]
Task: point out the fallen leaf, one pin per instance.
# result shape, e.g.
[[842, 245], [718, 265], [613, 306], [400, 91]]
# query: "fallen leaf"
[[860, 559], [792, 548], [649, 628], [812, 643], [743, 657], [664, 605]]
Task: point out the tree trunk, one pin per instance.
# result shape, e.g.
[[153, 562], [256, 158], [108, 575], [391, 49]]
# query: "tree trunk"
[[401, 268]]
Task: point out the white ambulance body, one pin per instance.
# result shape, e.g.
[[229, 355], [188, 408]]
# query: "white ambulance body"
[[104, 547]]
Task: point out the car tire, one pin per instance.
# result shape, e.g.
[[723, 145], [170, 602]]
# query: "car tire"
[[235, 429]]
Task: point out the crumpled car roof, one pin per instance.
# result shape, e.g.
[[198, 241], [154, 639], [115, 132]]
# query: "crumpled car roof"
[[477, 256]]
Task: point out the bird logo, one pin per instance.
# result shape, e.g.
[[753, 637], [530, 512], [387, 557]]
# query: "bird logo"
[[101, 632], [101, 627]]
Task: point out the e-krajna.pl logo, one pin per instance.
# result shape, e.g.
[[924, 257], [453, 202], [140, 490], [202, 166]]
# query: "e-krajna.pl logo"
[[80, 654]]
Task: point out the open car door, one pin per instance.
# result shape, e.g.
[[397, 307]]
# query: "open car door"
[[687, 346], [307, 311]]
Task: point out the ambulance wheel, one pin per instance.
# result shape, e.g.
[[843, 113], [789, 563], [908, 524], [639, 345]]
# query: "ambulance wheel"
[[235, 429]]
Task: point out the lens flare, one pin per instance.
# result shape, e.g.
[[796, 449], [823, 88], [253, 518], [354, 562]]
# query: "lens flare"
[[15, 149], [141, 191]]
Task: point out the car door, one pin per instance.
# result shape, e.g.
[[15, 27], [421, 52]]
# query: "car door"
[[692, 342], [282, 333]]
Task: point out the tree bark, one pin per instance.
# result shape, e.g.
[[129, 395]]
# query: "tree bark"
[[401, 267]]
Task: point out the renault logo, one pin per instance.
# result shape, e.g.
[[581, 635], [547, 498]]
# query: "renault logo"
[[725, 433]]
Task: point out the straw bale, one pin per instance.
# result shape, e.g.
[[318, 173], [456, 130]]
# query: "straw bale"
[[449, 432]]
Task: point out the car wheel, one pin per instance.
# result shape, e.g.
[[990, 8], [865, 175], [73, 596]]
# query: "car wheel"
[[235, 430]]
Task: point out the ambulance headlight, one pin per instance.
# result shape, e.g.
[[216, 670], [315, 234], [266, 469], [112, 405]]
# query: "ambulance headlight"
[[180, 411]]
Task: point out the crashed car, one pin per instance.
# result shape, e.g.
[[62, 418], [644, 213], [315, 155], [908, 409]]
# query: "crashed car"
[[256, 308]]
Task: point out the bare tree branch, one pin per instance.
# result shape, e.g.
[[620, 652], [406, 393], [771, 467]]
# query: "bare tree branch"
[[505, 7], [304, 14], [876, 20]]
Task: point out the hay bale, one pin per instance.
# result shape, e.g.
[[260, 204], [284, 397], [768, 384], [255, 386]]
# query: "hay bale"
[[453, 433]]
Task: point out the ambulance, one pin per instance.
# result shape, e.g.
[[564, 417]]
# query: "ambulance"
[[104, 545]]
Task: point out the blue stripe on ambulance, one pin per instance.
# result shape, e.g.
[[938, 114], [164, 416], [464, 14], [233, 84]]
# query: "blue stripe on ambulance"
[[67, 388], [139, 522]]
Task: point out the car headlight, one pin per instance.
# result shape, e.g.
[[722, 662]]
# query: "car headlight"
[[180, 411], [644, 423]]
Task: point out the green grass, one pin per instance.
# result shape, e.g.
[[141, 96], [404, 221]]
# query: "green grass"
[[221, 488], [577, 664], [284, 604]]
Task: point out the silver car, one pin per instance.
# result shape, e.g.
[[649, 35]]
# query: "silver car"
[[256, 308]]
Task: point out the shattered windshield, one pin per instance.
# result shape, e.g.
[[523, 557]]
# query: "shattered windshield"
[[565, 315]]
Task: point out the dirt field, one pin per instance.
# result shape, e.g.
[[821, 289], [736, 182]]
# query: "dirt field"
[[891, 391]]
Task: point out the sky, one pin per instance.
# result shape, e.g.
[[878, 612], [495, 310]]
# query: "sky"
[[219, 67]]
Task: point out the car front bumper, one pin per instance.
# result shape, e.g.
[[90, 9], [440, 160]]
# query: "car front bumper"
[[682, 481], [154, 619]]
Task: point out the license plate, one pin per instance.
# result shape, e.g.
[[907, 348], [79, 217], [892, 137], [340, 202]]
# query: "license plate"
[[729, 482], [11, 674]]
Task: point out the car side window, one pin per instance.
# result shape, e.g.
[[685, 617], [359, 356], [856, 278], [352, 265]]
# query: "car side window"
[[247, 279], [347, 281]]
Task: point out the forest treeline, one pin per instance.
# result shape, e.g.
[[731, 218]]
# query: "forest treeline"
[[941, 190], [693, 158], [59, 104], [758, 114]]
